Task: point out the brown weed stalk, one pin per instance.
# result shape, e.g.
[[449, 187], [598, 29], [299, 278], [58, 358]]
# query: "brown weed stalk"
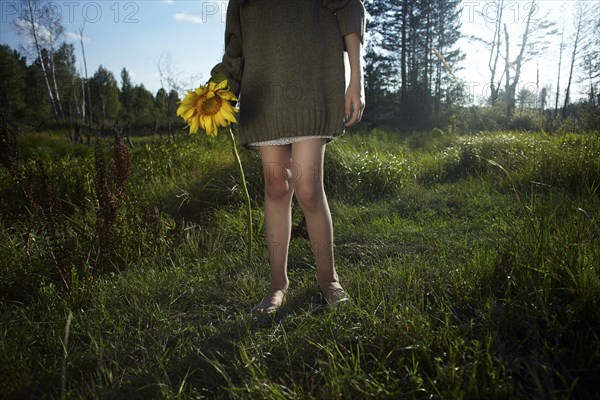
[[43, 205], [10, 155], [112, 176]]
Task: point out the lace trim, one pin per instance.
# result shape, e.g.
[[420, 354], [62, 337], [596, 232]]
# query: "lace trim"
[[285, 140]]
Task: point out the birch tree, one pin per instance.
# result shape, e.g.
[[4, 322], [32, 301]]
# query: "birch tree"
[[590, 52], [31, 25], [85, 86], [55, 31], [493, 13], [539, 30]]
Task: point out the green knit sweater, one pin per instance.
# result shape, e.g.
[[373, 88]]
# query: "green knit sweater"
[[284, 59]]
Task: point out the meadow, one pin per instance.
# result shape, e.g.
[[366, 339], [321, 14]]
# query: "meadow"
[[472, 260]]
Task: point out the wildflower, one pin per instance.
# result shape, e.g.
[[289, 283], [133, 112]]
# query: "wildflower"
[[208, 108]]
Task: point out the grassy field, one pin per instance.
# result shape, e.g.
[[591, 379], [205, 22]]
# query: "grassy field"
[[473, 262]]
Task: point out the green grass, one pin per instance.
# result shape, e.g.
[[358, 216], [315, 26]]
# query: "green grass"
[[473, 262]]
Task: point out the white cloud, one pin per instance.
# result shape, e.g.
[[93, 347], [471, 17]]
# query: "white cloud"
[[187, 17], [43, 34], [75, 37]]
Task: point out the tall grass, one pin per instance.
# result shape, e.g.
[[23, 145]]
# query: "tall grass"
[[472, 262]]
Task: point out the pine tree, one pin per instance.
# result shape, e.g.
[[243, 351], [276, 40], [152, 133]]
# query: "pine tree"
[[12, 83], [405, 35]]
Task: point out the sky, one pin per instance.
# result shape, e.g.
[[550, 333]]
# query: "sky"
[[137, 34], [188, 35]]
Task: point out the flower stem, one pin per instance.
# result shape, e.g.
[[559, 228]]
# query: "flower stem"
[[249, 209]]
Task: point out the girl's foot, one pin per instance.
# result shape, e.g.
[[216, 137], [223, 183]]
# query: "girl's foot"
[[335, 295], [271, 302]]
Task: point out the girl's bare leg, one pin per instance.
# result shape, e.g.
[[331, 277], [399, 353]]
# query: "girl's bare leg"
[[307, 178], [278, 220]]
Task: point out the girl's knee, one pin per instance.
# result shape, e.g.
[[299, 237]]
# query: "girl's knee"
[[277, 186], [310, 197]]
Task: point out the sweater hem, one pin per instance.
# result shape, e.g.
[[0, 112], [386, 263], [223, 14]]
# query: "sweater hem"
[[291, 123]]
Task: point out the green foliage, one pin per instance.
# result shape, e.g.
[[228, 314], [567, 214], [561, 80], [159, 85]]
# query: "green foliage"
[[472, 262], [362, 172], [12, 82], [104, 89], [403, 78]]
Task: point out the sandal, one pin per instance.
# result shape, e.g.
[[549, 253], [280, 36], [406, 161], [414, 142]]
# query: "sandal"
[[337, 297], [269, 303]]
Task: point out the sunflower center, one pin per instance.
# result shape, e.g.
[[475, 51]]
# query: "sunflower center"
[[210, 106]]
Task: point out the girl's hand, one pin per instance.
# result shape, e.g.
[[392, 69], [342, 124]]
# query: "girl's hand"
[[355, 102], [355, 93]]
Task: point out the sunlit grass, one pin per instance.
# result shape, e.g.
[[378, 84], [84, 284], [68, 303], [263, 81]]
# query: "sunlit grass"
[[472, 262]]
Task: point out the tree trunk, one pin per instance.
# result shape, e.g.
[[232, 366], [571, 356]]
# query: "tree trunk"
[[573, 57], [39, 52], [507, 71], [495, 54], [562, 35], [53, 70], [404, 49], [87, 83], [426, 63], [510, 103]]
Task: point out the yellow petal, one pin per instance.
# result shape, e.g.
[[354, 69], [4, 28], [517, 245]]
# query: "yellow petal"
[[183, 109], [188, 114], [229, 117], [200, 120], [221, 85], [189, 100], [227, 106], [194, 125], [227, 96], [221, 121], [210, 126]]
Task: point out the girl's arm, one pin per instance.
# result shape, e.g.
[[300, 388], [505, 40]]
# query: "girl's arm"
[[355, 93], [232, 65]]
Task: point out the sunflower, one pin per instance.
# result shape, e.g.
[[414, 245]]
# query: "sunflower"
[[208, 107]]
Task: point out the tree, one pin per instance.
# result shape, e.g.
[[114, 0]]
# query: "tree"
[[65, 74], [407, 33], [12, 82], [562, 47], [161, 118], [170, 81], [144, 109], [55, 30], [32, 26], [590, 52], [378, 68], [127, 114], [85, 83], [534, 41], [38, 110], [446, 34], [580, 10], [495, 49], [105, 93], [173, 100], [527, 99], [543, 97]]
